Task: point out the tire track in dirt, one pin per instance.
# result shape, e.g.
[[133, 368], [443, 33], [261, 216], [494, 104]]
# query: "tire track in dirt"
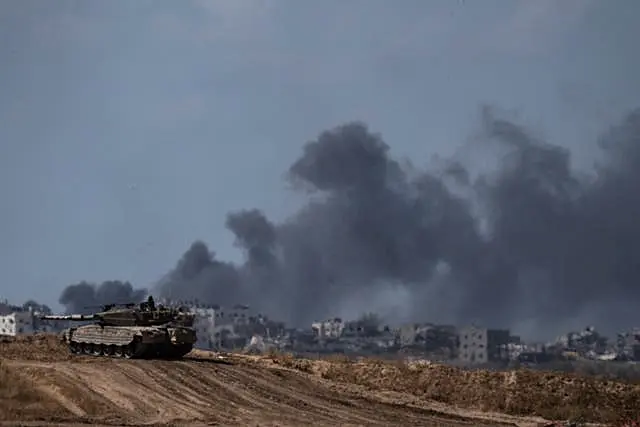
[[42, 384], [190, 392]]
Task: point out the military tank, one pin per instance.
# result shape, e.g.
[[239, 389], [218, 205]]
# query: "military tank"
[[131, 331]]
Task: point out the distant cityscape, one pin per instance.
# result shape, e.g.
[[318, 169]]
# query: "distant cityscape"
[[238, 328]]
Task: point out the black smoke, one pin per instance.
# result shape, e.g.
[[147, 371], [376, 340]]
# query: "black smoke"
[[36, 307], [530, 244], [84, 297]]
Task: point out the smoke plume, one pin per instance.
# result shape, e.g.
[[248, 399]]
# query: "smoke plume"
[[36, 306], [530, 244], [86, 297]]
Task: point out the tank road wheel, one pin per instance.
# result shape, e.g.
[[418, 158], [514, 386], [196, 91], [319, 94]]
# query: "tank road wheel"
[[137, 349], [85, 348], [128, 351], [74, 347], [110, 350], [96, 349], [119, 351]]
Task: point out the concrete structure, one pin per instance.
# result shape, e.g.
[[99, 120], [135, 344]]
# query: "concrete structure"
[[17, 323], [204, 325], [407, 334], [16, 320], [629, 344], [329, 329], [427, 335], [481, 345], [215, 324]]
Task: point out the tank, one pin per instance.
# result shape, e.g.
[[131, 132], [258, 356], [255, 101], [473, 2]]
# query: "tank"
[[131, 331]]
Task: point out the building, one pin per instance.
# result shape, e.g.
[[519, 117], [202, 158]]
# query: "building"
[[208, 325], [15, 320], [481, 345], [18, 320], [328, 329], [629, 344], [220, 327], [204, 324], [428, 336], [17, 323]]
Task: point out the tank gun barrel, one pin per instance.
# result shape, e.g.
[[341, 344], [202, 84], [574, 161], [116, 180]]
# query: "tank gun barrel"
[[72, 317]]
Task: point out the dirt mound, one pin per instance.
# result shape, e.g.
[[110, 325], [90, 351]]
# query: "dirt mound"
[[19, 395], [128, 392], [44, 347], [550, 395], [40, 382]]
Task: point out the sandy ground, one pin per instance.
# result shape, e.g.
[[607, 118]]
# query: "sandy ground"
[[40, 384]]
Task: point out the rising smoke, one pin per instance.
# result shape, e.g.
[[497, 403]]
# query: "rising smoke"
[[86, 297], [532, 244]]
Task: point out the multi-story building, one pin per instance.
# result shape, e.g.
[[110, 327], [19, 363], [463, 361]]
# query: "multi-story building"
[[329, 329], [218, 327], [17, 323], [204, 325], [17, 320], [482, 345], [428, 336], [629, 344]]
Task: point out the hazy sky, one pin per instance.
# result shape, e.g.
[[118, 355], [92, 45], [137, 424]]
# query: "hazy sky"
[[128, 129]]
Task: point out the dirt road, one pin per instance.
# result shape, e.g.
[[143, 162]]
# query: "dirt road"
[[40, 382]]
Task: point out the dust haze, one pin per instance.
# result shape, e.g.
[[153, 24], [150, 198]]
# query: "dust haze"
[[531, 244]]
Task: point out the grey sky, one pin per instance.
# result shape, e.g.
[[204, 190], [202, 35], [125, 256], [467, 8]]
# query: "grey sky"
[[130, 128]]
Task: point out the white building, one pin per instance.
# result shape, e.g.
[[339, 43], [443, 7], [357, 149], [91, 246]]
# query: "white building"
[[331, 328], [17, 320], [205, 326], [214, 323], [17, 323]]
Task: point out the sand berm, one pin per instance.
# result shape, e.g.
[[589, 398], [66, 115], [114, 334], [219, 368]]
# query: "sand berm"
[[42, 384]]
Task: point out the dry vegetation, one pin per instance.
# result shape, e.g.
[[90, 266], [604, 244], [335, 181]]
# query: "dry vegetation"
[[20, 397], [39, 380], [551, 395], [618, 371], [42, 347]]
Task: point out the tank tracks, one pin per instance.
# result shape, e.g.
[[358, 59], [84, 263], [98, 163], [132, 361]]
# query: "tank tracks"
[[134, 350]]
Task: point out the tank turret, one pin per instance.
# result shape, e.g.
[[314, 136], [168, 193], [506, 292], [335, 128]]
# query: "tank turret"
[[131, 330], [130, 314]]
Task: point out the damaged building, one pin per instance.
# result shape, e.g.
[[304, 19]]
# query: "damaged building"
[[328, 329], [628, 344], [586, 344], [436, 341], [478, 345], [23, 320], [232, 327]]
